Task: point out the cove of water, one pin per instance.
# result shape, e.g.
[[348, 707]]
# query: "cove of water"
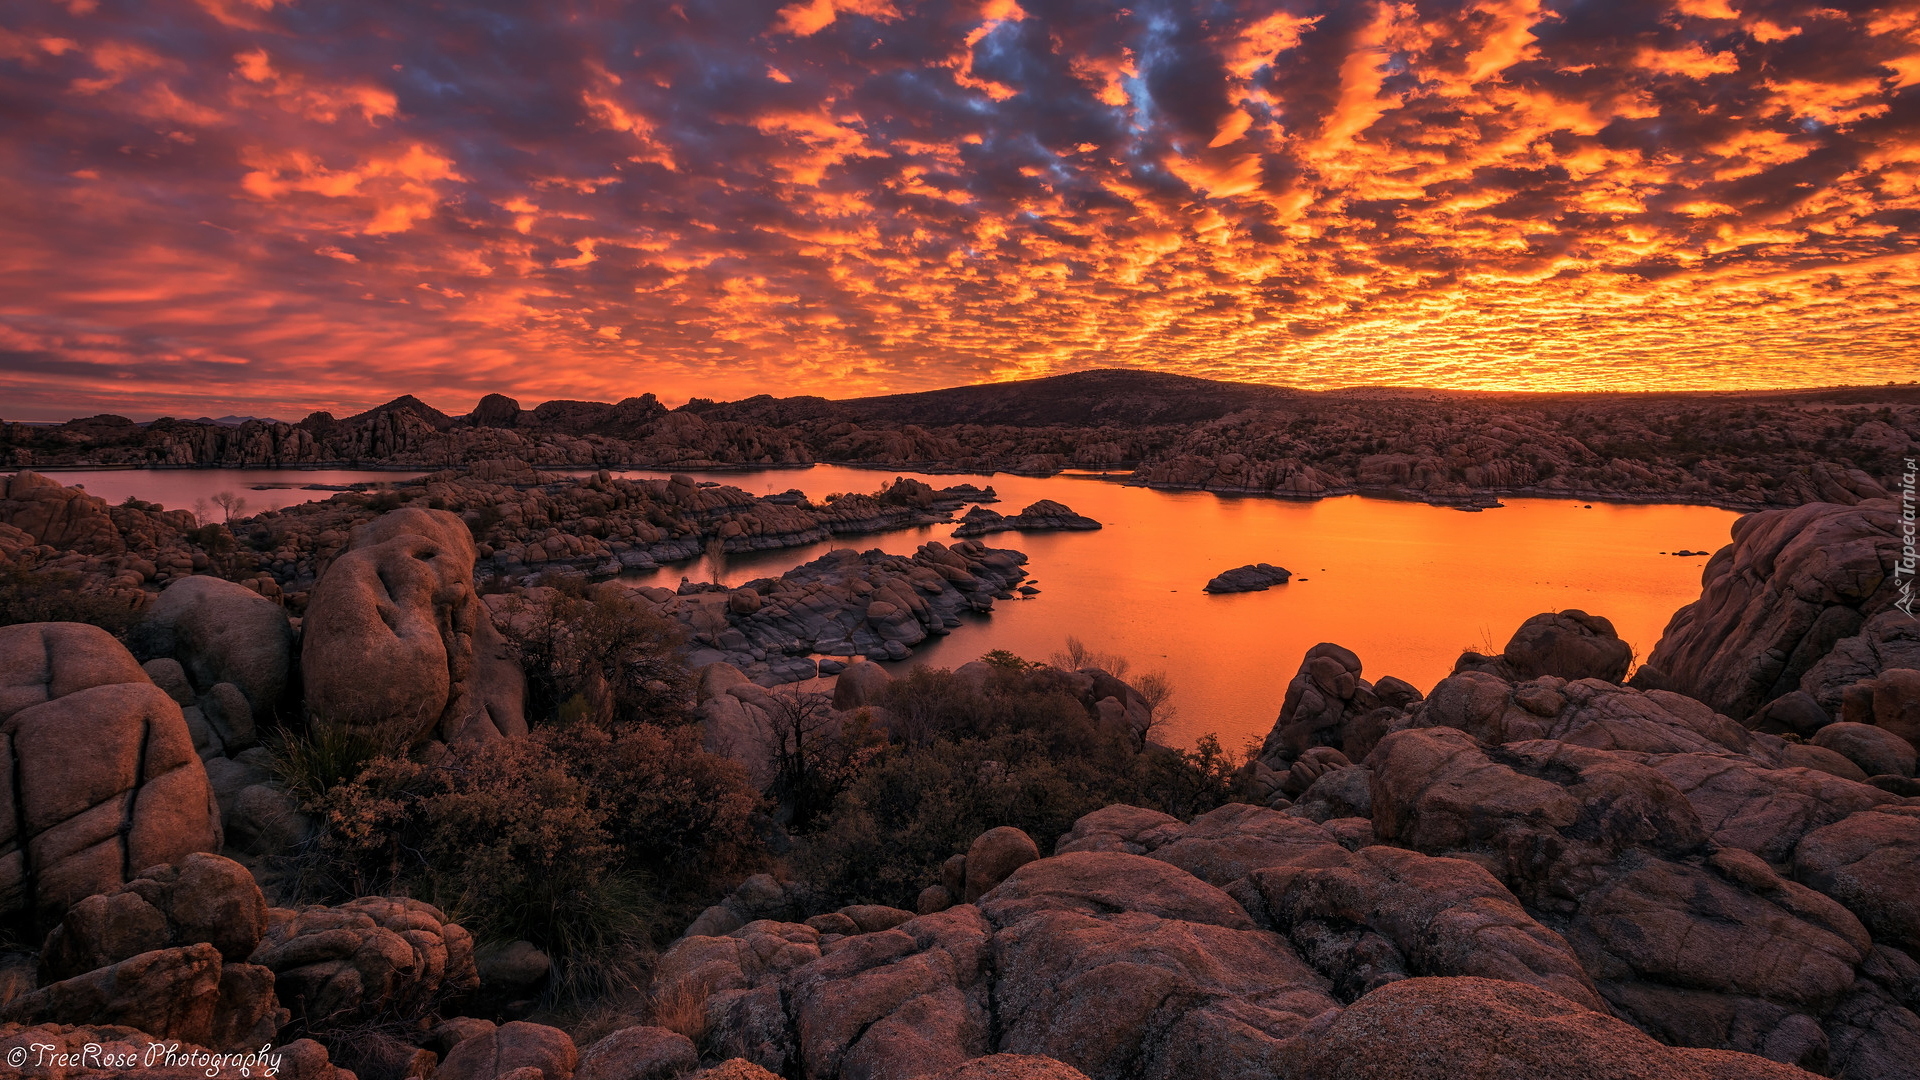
[[182, 489], [1405, 585]]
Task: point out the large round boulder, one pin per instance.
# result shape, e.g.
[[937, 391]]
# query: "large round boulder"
[[397, 643], [374, 956], [860, 685], [203, 898], [1568, 644], [1876, 750], [638, 1053], [100, 767], [522, 1050], [221, 632], [994, 855]]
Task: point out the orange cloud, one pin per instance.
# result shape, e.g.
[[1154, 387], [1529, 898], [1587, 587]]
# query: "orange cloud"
[[239, 201]]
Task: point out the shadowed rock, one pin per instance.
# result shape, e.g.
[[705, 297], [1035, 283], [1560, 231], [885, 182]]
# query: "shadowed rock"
[[1445, 1029], [1043, 516], [101, 769], [1254, 577], [1777, 600], [1568, 645]]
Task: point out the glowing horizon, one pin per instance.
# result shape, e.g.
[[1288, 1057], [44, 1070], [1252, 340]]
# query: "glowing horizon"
[[242, 206]]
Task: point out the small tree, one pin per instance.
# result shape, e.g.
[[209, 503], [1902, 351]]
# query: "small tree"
[[815, 752], [716, 551], [230, 504], [1155, 689], [1078, 655]]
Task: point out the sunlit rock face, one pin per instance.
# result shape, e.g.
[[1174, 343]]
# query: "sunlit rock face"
[[396, 641], [100, 771]]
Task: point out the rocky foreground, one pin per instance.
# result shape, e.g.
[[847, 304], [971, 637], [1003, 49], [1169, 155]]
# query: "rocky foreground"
[[1741, 451], [1539, 866], [1533, 870]]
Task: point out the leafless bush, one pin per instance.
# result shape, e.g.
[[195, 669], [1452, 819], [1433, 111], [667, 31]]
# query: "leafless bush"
[[230, 504], [815, 752], [1078, 655]]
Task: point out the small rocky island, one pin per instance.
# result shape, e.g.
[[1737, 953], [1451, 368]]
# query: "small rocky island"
[[1254, 577], [1043, 516]]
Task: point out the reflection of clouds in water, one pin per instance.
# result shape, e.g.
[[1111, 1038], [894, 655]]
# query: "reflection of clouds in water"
[[1406, 585]]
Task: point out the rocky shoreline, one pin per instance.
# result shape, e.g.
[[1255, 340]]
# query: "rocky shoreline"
[[1736, 451], [527, 523], [1043, 516]]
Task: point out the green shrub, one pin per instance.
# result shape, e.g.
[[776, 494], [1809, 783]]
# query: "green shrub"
[[311, 763]]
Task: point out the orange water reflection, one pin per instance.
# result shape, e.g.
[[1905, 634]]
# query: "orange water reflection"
[[1405, 585]]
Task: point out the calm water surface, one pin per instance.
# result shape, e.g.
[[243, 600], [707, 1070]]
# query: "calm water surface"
[[181, 489], [1405, 585]]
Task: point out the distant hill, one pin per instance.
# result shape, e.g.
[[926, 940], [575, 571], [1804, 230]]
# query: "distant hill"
[[406, 403], [1101, 396], [234, 421]]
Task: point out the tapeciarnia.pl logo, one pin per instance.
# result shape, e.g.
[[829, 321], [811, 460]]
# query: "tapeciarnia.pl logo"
[[1903, 567]]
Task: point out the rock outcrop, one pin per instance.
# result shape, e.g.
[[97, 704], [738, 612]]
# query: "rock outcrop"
[[1720, 887], [397, 643], [1441, 1029], [846, 603], [374, 956], [221, 632], [1748, 452], [1254, 577], [1329, 705], [100, 771], [166, 953], [1775, 602], [1043, 516], [1567, 644], [1248, 943]]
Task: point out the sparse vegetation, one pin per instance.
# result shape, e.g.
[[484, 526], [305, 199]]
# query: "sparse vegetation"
[[28, 595], [610, 656], [1078, 656], [592, 842], [1019, 749]]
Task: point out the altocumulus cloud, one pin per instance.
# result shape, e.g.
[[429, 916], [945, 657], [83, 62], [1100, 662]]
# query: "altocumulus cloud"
[[322, 204]]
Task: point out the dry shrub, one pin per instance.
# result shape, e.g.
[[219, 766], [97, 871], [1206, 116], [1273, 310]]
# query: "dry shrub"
[[30, 596], [590, 842], [1018, 749], [682, 1009], [612, 652]]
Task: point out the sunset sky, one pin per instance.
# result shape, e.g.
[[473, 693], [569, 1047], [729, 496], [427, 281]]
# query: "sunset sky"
[[264, 207]]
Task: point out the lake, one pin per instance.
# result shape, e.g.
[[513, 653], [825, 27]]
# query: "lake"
[[1405, 585], [181, 489]]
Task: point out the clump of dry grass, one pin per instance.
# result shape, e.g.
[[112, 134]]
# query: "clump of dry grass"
[[683, 1009]]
